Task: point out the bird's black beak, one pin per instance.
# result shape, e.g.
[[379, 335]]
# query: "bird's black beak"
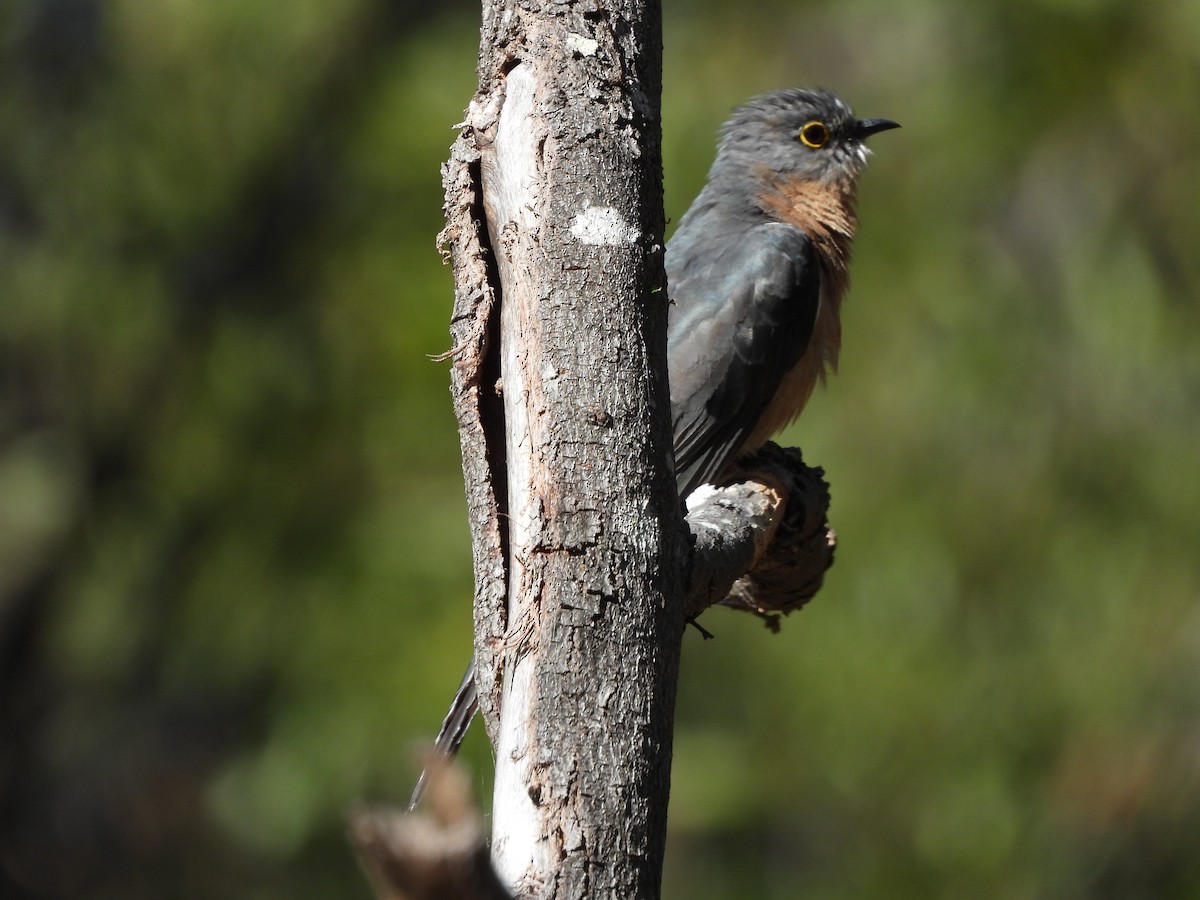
[[864, 128]]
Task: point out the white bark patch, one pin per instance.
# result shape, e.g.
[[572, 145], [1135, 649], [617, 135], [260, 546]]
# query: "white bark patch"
[[510, 172], [584, 46], [510, 179], [515, 820], [603, 226]]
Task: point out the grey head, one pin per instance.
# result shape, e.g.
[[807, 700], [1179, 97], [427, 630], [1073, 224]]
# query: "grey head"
[[798, 133]]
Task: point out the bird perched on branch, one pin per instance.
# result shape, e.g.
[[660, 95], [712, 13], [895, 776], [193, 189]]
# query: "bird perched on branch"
[[755, 272]]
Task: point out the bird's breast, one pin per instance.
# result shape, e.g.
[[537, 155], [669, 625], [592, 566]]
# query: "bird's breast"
[[824, 212]]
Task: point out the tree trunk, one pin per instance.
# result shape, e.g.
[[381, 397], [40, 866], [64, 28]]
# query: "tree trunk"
[[584, 564], [554, 204]]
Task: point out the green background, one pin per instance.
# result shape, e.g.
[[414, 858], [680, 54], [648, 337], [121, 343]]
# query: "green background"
[[234, 565]]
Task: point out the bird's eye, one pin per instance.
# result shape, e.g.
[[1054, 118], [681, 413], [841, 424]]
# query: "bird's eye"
[[814, 134]]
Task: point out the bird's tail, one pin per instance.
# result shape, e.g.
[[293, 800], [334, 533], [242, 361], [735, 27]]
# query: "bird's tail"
[[454, 727]]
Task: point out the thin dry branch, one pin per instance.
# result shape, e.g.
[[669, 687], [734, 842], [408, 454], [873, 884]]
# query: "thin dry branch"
[[441, 854]]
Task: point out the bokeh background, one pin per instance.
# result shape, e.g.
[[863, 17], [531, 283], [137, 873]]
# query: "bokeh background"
[[234, 565]]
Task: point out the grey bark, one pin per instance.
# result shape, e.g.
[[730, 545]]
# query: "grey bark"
[[554, 226]]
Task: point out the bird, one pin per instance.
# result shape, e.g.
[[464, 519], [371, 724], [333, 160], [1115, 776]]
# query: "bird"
[[756, 272]]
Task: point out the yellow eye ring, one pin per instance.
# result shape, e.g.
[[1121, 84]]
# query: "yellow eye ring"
[[814, 134]]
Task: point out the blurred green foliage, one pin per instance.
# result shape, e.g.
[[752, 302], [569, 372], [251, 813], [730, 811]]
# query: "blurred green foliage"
[[234, 566]]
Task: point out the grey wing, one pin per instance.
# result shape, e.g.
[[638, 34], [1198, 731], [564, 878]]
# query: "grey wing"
[[741, 319]]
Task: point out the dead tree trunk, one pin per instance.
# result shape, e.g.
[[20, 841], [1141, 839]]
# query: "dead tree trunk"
[[555, 226]]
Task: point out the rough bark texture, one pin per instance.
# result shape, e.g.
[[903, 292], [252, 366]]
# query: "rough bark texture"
[[554, 222]]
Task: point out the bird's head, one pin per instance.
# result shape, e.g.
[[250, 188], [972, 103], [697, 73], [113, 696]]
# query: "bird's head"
[[800, 134]]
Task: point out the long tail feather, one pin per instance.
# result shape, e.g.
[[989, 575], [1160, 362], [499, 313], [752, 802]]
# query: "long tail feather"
[[454, 726]]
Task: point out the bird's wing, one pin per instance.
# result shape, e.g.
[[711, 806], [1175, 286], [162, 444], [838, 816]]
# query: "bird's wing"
[[742, 315]]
